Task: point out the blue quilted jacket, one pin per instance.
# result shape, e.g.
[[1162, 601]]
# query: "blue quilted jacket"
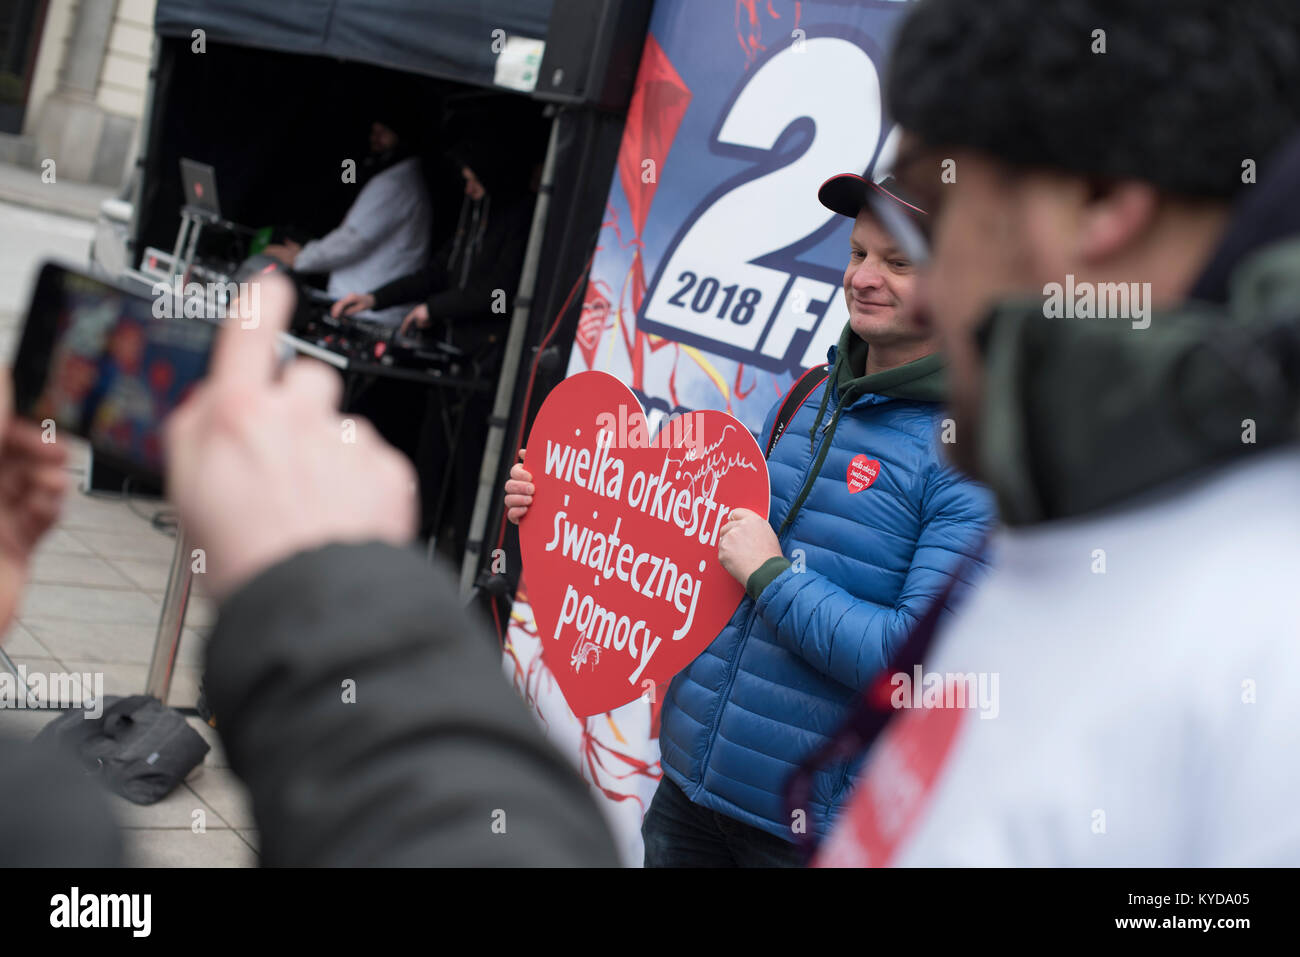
[[860, 568]]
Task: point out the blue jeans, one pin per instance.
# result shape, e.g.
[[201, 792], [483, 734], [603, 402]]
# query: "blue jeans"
[[680, 833]]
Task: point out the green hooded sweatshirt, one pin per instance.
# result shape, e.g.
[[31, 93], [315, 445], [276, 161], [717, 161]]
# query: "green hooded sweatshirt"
[[921, 381]]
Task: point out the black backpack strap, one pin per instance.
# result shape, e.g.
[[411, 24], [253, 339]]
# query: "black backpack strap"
[[796, 397]]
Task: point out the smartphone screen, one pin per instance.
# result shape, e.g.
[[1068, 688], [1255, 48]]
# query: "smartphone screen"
[[95, 360]]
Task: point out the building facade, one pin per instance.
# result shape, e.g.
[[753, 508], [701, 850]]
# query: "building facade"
[[73, 78]]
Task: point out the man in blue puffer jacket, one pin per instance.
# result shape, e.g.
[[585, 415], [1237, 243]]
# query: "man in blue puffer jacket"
[[867, 524]]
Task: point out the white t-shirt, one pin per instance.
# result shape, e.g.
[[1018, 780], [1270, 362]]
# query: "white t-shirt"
[[384, 236], [1147, 714]]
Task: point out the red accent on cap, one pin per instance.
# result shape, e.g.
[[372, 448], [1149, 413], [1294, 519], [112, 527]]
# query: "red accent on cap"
[[846, 194]]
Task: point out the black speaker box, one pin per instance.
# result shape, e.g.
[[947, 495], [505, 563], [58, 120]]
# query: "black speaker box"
[[593, 49]]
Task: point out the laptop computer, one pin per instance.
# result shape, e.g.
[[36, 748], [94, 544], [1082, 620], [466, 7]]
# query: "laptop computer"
[[200, 183]]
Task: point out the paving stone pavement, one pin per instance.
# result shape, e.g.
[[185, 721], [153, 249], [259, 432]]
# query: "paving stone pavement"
[[92, 607], [97, 581]]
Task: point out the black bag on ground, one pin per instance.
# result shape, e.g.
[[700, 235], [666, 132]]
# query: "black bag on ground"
[[138, 747]]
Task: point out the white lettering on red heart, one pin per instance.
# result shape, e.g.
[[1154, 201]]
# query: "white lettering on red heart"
[[607, 501], [862, 472]]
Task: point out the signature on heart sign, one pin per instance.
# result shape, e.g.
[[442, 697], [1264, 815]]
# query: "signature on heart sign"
[[620, 544]]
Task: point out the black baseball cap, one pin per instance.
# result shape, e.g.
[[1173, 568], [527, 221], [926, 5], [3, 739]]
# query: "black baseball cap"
[[909, 224], [846, 194]]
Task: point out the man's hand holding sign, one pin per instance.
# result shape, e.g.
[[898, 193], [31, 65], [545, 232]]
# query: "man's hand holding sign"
[[630, 542], [745, 543]]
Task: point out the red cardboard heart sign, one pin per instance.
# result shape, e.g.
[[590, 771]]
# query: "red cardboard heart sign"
[[620, 544]]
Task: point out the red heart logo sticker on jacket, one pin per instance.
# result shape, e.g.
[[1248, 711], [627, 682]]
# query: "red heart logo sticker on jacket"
[[862, 472]]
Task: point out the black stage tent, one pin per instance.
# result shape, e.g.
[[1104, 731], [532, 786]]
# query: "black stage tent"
[[275, 94], [449, 39], [283, 89]]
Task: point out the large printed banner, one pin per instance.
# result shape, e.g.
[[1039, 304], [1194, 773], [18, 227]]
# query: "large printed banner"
[[717, 278]]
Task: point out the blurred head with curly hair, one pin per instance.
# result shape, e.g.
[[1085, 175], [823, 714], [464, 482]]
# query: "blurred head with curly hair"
[[1103, 139]]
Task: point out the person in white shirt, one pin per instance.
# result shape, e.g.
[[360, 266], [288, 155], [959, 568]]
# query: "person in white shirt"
[[1121, 688], [386, 232]]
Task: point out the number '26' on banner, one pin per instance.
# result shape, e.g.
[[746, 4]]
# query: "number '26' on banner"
[[620, 544]]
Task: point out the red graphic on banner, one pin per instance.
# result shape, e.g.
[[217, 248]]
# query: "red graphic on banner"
[[595, 313], [653, 117], [894, 789], [659, 102], [620, 543], [751, 38], [862, 472], [656, 110]]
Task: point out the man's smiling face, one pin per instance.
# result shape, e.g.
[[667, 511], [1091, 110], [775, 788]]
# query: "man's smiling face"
[[878, 285]]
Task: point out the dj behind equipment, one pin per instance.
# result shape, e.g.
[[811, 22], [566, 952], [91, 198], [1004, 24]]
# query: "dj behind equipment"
[[359, 340]]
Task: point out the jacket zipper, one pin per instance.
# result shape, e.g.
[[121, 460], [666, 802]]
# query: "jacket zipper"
[[749, 620], [783, 539]]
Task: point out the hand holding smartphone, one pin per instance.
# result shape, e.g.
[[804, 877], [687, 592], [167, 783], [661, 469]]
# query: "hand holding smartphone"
[[95, 361], [259, 462]]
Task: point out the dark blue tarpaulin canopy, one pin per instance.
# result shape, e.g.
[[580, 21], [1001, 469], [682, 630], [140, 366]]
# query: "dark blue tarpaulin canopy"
[[450, 39]]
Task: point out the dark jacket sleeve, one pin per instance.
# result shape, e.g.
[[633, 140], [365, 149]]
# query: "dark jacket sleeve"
[[413, 287], [51, 813], [498, 267], [369, 716]]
